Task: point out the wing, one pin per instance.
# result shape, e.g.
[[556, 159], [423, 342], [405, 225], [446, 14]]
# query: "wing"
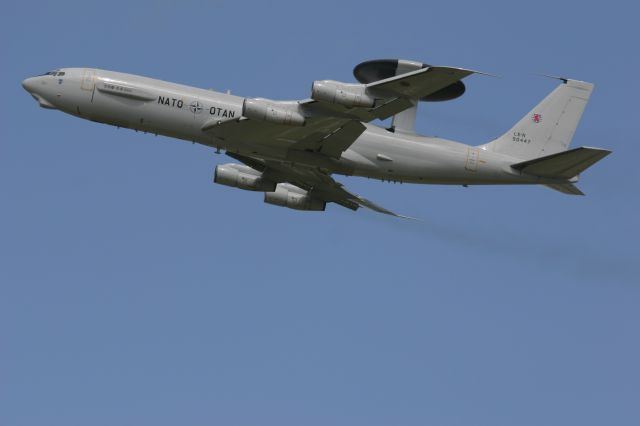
[[326, 135], [330, 128], [420, 83], [312, 179], [304, 154]]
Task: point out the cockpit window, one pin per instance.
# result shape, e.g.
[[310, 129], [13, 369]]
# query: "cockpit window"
[[54, 72], [60, 74]]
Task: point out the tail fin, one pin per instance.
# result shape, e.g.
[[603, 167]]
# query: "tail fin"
[[549, 127]]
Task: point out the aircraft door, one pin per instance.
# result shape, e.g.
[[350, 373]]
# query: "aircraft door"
[[88, 79], [472, 159]]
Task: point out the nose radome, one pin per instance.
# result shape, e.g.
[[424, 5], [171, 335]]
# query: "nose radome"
[[29, 84], [36, 88]]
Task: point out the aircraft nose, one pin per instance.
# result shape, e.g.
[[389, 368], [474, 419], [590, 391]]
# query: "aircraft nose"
[[38, 90], [29, 84]]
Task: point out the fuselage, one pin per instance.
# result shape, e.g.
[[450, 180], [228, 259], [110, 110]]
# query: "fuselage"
[[179, 111]]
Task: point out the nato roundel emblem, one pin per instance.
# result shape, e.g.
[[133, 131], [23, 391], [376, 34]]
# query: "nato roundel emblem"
[[537, 118], [195, 107]]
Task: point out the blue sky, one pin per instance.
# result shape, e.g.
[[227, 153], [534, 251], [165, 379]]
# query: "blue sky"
[[135, 291]]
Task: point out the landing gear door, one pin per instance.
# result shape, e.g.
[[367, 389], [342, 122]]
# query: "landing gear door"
[[88, 79]]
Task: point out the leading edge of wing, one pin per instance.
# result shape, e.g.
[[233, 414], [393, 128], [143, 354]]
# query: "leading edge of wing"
[[318, 183], [420, 83]]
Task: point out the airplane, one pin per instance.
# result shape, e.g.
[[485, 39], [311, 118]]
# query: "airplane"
[[290, 149]]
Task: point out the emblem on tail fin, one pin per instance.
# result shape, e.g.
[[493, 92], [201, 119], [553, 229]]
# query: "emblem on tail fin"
[[550, 125]]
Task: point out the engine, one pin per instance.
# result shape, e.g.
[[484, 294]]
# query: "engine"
[[290, 196], [349, 95], [272, 112], [243, 177]]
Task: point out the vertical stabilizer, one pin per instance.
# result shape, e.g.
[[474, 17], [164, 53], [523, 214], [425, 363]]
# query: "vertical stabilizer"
[[549, 127]]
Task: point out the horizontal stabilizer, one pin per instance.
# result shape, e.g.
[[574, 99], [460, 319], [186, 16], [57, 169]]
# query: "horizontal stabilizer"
[[565, 188], [563, 165]]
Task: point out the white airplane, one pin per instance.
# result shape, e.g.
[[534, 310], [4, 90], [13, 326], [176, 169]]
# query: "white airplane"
[[290, 149]]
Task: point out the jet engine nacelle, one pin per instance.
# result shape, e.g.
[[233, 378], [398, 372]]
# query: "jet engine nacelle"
[[349, 95], [290, 196], [272, 112], [243, 177]]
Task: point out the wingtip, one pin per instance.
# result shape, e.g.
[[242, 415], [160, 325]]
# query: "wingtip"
[[399, 216], [554, 77], [477, 72], [415, 219], [486, 74]]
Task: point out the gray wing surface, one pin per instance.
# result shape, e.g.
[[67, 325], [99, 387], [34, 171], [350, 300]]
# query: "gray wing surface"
[[328, 131], [399, 93], [420, 83], [331, 128], [325, 135], [312, 179]]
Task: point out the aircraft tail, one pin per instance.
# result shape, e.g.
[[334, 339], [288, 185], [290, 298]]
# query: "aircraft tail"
[[562, 165], [566, 165], [549, 127]]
